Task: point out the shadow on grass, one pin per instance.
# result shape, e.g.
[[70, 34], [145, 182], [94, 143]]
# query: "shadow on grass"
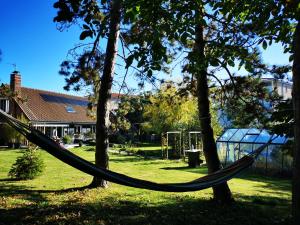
[[13, 190], [89, 149], [9, 179], [174, 211], [280, 184]]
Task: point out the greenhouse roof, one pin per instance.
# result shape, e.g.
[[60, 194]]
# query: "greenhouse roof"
[[250, 135]]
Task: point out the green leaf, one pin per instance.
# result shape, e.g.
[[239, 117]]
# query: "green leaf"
[[149, 73], [291, 58], [264, 45], [86, 27], [184, 37], [85, 34], [129, 60], [214, 62], [230, 63]]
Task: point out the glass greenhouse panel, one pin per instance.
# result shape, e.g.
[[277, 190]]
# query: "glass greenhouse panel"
[[279, 139], [222, 151], [263, 137], [230, 154], [275, 158], [260, 162], [227, 134], [245, 149], [249, 138], [238, 136], [253, 131], [236, 143]]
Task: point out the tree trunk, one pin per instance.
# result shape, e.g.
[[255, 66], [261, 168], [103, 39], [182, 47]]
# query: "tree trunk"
[[102, 125], [221, 192], [296, 102]]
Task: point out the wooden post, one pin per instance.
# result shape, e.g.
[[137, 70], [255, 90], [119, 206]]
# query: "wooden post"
[[167, 153]]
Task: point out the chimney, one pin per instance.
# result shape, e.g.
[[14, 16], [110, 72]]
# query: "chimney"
[[15, 81]]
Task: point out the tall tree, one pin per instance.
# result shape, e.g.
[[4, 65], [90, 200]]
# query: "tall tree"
[[221, 192], [91, 12], [296, 102], [102, 126], [283, 25], [205, 39]]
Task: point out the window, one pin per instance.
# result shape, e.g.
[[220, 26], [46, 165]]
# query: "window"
[[4, 105], [70, 109]]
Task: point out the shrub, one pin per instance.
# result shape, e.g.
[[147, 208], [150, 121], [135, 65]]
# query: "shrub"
[[67, 139], [11, 136], [89, 135], [27, 166]]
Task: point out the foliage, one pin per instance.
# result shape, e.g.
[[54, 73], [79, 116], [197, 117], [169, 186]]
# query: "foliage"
[[128, 117], [282, 120], [249, 105], [89, 135], [170, 110], [67, 139], [84, 72], [28, 166], [10, 135]]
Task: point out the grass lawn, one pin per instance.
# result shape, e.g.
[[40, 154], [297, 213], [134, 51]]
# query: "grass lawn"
[[150, 151], [59, 196]]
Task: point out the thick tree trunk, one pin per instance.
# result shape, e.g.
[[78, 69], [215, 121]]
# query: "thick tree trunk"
[[102, 126], [296, 102], [222, 192]]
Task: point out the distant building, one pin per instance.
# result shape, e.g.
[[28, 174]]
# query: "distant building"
[[54, 114], [282, 87]]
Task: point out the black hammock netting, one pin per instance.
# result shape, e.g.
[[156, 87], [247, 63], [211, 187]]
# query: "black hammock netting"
[[85, 166]]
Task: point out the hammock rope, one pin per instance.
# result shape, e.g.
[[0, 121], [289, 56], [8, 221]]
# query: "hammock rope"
[[85, 166]]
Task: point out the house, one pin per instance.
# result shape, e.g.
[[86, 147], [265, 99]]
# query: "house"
[[52, 113], [282, 87]]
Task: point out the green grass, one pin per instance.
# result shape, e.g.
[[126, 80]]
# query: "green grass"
[[147, 151], [59, 196]]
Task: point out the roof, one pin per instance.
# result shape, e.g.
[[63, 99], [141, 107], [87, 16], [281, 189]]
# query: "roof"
[[250, 135], [46, 106], [282, 81]]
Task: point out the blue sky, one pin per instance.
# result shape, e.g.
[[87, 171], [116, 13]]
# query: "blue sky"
[[30, 40]]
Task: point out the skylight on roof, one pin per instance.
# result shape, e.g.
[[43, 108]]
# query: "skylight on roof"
[[70, 109], [64, 100]]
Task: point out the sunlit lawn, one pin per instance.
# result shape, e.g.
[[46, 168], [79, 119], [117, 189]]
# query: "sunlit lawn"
[[151, 151], [58, 196]]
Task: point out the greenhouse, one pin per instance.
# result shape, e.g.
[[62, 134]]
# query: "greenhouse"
[[235, 143]]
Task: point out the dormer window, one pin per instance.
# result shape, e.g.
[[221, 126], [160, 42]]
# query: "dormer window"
[[70, 109], [4, 105]]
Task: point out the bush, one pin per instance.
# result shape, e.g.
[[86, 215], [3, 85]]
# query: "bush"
[[27, 166], [67, 139], [89, 135], [12, 137]]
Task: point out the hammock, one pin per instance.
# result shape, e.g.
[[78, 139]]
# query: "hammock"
[[85, 166]]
